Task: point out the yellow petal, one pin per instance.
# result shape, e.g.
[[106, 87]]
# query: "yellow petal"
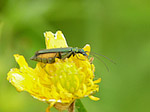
[[50, 106], [55, 40], [20, 60], [98, 80], [16, 79], [49, 38], [94, 98], [87, 48], [61, 41]]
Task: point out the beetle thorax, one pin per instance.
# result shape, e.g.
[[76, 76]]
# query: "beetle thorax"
[[75, 49]]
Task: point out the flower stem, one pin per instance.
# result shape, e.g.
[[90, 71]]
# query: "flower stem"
[[72, 107]]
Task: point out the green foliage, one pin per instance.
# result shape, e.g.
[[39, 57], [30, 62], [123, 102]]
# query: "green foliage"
[[79, 106]]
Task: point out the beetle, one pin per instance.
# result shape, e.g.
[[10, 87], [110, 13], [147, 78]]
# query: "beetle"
[[49, 55]]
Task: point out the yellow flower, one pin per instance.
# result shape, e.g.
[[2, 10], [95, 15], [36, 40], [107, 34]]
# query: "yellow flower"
[[59, 83]]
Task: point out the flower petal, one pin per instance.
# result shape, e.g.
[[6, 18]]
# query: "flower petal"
[[87, 48], [55, 40], [94, 98], [98, 80]]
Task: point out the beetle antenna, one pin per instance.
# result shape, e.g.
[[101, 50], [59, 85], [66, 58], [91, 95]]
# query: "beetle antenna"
[[95, 54], [102, 62]]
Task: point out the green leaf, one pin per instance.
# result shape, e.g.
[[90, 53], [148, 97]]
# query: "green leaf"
[[79, 106]]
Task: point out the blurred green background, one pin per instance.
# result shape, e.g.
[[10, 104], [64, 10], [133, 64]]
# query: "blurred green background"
[[117, 29]]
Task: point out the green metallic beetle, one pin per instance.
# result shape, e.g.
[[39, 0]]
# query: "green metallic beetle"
[[49, 55]]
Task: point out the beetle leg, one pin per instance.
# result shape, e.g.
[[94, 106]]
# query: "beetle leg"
[[67, 55], [59, 55]]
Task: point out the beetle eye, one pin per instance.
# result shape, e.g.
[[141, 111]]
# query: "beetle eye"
[[84, 54]]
